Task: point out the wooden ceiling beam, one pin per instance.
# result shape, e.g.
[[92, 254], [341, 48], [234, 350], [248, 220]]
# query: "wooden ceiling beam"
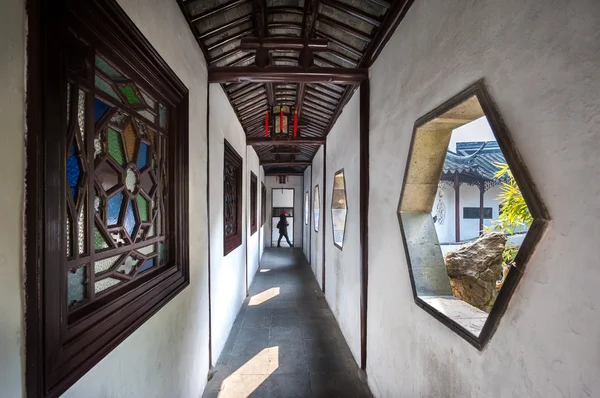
[[296, 141], [359, 34], [326, 91], [291, 74], [225, 55], [243, 90], [381, 3], [241, 60], [209, 34], [292, 164], [241, 107], [283, 43], [285, 10], [309, 21], [315, 95], [213, 11], [248, 97], [352, 50], [353, 11]]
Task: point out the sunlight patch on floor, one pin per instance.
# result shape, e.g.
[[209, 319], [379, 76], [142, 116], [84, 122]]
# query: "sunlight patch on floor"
[[260, 298], [248, 377]]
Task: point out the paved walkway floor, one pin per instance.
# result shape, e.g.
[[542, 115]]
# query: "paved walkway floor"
[[285, 341]]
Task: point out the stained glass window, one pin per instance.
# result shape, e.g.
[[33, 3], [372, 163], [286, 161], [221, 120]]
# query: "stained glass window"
[[127, 179], [232, 199]]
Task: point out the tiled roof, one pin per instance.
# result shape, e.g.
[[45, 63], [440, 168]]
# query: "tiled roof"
[[477, 159]]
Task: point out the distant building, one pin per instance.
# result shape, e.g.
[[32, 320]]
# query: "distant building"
[[467, 196]]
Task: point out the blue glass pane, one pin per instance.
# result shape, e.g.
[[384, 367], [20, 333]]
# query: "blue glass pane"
[[147, 265], [100, 109], [114, 208], [73, 170], [130, 219], [142, 160]]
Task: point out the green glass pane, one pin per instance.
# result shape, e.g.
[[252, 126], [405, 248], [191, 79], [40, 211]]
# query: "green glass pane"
[[115, 146], [161, 252], [108, 70], [76, 290], [143, 207], [105, 264], [163, 117], [99, 240], [130, 94], [107, 88]]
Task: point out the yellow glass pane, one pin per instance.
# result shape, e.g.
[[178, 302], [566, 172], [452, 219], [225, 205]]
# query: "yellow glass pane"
[[130, 137]]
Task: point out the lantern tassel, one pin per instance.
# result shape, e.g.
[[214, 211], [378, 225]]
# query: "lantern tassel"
[[266, 123], [295, 122]]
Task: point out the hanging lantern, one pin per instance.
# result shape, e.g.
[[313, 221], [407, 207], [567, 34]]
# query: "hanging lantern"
[[281, 122], [295, 122]]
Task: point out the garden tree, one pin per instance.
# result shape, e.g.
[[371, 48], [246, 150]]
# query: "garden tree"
[[514, 214]]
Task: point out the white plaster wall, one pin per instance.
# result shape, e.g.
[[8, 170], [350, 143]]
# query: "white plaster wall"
[[295, 182], [307, 228], [316, 238], [540, 61], [168, 355], [228, 273], [253, 239], [342, 267], [12, 174]]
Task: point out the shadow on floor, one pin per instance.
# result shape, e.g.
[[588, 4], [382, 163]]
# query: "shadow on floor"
[[285, 341]]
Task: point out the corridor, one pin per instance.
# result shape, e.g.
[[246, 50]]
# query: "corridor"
[[285, 341]]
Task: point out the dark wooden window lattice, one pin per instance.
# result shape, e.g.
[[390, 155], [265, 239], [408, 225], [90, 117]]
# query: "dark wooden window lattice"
[[253, 203], [474, 213], [232, 199], [107, 187], [263, 203]]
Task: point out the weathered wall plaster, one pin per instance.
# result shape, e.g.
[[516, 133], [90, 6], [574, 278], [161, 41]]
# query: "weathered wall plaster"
[[295, 182], [307, 228], [342, 267], [316, 238], [228, 273], [12, 174], [540, 63], [168, 355]]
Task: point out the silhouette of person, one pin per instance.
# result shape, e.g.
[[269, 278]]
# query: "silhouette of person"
[[282, 226]]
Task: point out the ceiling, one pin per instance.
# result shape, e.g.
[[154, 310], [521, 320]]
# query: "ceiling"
[[356, 31]]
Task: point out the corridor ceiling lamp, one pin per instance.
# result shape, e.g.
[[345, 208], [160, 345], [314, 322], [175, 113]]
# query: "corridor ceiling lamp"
[[279, 122]]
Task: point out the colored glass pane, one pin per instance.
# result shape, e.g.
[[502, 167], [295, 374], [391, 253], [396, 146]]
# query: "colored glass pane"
[[107, 69], [161, 252], [99, 240], [143, 208], [148, 115], [115, 146], [105, 264], [130, 179], [114, 208], [130, 138], [129, 265], [106, 87], [162, 117], [147, 264], [73, 170], [151, 103], [105, 283], [81, 227], [76, 290], [142, 160], [130, 94], [146, 250], [81, 115], [130, 221], [100, 109], [69, 233]]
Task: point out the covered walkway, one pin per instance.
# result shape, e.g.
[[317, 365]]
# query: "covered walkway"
[[285, 341]]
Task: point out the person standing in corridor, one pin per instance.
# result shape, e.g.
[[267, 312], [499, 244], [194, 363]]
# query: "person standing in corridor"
[[282, 226]]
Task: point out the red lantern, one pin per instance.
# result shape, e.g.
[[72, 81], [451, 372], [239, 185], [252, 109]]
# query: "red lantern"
[[295, 122]]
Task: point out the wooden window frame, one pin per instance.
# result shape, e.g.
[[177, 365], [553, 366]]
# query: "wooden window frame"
[[263, 203], [253, 203], [231, 156], [59, 352]]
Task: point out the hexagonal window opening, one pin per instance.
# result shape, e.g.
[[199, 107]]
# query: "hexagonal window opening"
[[339, 209], [469, 213]]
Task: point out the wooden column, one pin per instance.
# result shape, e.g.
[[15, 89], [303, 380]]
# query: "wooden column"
[[364, 217], [457, 207], [481, 192]]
